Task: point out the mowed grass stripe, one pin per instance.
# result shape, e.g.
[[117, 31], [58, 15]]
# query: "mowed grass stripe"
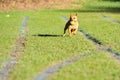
[[44, 51]]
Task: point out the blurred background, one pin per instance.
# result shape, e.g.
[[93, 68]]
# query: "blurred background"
[[7, 5]]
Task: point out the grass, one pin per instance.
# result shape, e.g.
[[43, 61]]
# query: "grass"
[[108, 31], [116, 16], [103, 5], [98, 66], [46, 47]]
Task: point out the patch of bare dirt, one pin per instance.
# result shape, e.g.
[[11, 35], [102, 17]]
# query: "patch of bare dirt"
[[10, 5]]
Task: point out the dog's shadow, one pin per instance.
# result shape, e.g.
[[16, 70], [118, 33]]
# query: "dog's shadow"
[[48, 35]]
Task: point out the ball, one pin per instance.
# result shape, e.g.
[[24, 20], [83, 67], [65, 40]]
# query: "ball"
[[72, 22]]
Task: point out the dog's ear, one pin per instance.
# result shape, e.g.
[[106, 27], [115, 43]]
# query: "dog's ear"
[[76, 14]]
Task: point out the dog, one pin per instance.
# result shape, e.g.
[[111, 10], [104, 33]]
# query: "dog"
[[71, 25]]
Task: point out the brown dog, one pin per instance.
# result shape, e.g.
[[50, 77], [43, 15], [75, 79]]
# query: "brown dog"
[[71, 25]]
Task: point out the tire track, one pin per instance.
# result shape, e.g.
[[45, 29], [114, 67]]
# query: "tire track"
[[8, 66], [99, 44], [46, 73]]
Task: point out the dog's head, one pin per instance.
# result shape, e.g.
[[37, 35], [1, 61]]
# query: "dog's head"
[[73, 17]]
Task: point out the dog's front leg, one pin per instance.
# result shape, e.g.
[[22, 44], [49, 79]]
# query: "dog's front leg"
[[69, 31], [64, 32]]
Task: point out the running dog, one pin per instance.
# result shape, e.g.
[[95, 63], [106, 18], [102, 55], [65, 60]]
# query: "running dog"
[[71, 25]]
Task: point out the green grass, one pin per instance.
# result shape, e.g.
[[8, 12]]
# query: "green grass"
[[98, 66], [95, 4], [116, 16], [101, 29], [45, 51]]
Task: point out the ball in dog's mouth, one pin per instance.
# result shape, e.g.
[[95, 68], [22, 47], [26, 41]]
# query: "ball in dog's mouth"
[[72, 22]]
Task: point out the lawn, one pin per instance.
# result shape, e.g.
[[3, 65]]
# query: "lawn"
[[46, 47], [98, 66], [108, 31]]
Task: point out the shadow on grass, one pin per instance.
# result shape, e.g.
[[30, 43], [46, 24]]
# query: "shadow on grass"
[[47, 35]]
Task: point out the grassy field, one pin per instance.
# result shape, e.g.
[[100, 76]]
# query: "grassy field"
[[108, 31], [48, 50], [46, 47], [98, 66]]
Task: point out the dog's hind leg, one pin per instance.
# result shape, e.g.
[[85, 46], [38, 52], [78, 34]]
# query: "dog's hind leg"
[[70, 31]]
